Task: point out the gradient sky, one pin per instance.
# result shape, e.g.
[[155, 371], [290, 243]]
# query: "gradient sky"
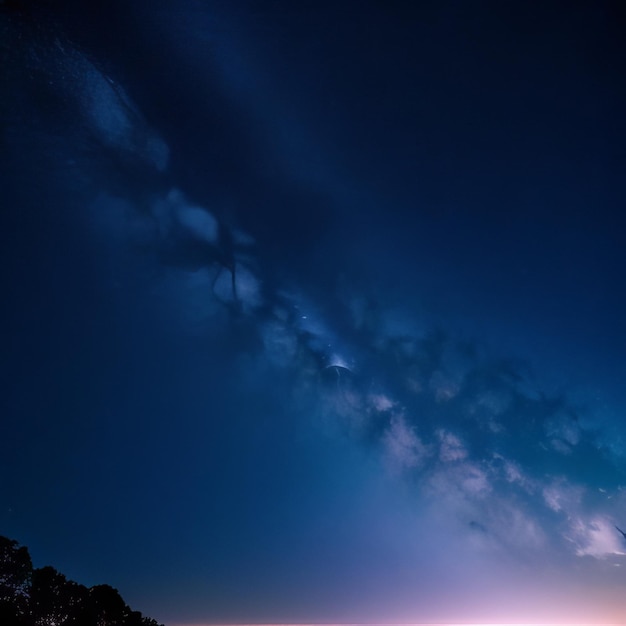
[[315, 311]]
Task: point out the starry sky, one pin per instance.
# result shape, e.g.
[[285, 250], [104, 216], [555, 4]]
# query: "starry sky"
[[315, 311]]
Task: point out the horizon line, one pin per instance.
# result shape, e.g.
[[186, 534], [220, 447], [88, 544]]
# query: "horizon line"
[[396, 623]]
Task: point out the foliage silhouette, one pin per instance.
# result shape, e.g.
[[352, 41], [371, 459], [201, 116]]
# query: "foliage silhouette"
[[45, 597]]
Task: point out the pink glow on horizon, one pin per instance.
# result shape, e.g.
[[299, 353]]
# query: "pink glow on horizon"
[[412, 624]]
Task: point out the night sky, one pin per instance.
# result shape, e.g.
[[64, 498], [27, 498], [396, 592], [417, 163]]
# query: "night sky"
[[316, 311]]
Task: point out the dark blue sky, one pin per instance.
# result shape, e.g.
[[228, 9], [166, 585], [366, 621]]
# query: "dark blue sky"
[[315, 311]]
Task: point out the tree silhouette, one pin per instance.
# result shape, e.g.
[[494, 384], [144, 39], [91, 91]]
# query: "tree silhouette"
[[16, 571], [45, 597], [105, 606], [56, 600]]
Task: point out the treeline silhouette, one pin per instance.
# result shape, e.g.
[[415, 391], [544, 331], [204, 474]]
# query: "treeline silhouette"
[[44, 597]]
